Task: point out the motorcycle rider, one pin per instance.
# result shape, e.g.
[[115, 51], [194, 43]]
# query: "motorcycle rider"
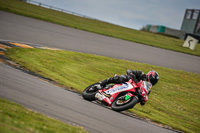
[[151, 77]]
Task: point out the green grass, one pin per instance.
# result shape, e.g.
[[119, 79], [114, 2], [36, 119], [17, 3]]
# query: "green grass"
[[16, 119], [156, 40], [174, 100]]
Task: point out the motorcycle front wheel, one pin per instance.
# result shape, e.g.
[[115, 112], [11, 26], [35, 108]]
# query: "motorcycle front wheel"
[[89, 95], [121, 105]]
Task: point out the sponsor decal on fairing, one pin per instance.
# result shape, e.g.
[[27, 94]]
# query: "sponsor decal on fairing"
[[123, 87]]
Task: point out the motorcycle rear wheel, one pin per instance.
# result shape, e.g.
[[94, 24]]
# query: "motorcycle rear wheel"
[[118, 106], [89, 95]]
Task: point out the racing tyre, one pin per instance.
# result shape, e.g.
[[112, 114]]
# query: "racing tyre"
[[89, 95], [121, 105]]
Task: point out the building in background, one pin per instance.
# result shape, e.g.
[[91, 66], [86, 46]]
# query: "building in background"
[[191, 22], [165, 31], [190, 26]]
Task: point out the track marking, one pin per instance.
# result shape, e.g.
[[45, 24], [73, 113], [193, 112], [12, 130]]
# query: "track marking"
[[4, 47], [1, 60], [2, 53], [49, 48], [21, 45]]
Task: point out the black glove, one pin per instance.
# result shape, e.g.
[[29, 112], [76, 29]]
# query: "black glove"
[[142, 102], [133, 77]]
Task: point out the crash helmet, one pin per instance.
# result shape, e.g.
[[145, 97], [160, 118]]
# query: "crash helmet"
[[152, 77]]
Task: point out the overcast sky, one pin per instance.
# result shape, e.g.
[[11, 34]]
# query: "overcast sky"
[[130, 13]]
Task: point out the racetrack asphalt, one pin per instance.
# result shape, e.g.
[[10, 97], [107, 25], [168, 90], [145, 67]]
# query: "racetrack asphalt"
[[24, 29]]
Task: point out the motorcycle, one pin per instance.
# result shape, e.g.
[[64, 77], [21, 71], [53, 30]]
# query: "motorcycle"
[[119, 97]]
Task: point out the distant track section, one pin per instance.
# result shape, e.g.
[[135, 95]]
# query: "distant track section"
[[24, 29]]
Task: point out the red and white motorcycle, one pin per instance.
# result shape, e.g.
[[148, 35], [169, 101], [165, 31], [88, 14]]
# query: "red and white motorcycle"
[[119, 97]]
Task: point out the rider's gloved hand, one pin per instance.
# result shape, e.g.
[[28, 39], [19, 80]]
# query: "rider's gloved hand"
[[139, 92], [133, 77], [142, 102]]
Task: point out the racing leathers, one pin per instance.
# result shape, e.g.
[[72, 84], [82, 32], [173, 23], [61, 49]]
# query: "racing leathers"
[[135, 75]]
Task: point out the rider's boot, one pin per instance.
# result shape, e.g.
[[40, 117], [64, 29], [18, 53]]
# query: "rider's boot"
[[95, 87]]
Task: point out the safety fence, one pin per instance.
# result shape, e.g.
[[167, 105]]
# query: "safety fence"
[[57, 9]]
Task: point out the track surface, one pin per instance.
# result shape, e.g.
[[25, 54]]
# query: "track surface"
[[24, 29], [67, 106]]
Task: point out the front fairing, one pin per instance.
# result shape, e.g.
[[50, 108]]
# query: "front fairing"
[[119, 88], [145, 85], [145, 88], [114, 91]]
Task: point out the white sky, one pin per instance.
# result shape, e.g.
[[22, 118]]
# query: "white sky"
[[130, 13]]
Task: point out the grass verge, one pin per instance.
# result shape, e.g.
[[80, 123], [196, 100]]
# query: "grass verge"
[[16, 119], [156, 40], [174, 101]]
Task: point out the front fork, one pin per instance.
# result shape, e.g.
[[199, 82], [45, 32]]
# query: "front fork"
[[128, 96]]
